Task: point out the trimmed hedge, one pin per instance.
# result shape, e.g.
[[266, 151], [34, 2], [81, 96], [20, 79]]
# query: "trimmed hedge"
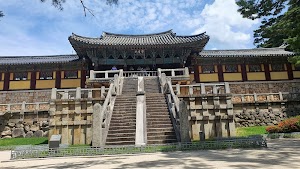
[[286, 126]]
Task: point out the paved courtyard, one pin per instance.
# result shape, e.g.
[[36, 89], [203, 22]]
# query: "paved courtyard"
[[281, 153]]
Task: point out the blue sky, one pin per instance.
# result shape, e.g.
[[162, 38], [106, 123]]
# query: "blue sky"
[[34, 28]]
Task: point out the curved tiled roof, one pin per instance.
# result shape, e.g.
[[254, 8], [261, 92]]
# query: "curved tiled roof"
[[17, 60], [246, 52], [162, 38]]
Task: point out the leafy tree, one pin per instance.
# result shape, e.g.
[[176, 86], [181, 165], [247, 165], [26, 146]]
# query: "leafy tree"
[[280, 23]]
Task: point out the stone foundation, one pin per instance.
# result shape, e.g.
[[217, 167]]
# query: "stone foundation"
[[23, 129]]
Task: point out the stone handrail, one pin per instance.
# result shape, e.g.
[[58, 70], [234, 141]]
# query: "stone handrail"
[[78, 93], [105, 114], [258, 97], [202, 88], [175, 73], [139, 73], [173, 103], [24, 107], [104, 75]]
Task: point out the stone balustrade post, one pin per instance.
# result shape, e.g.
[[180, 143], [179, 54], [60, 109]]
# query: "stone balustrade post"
[[102, 91], [90, 94], [255, 97], [227, 88], [202, 87], [106, 75], [159, 72], [186, 71], [178, 89], [65, 95], [23, 107], [92, 74], [141, 134], [172, 72], [184, 122], [97, 126], [53, 93], [280, 96], [78, 93], [116, 83], [191, 90]]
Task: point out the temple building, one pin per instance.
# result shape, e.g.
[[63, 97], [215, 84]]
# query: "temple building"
[[146, 52]]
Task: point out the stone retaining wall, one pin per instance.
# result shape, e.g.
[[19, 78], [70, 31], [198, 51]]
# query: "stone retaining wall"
[[25, 129], [265, 87], [258, 117], [29, 96]]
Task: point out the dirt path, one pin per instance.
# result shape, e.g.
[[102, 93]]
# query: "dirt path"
[[281, 153]]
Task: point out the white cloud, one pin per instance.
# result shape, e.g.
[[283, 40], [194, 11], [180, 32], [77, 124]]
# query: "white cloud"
[[226, 27], [34, 28]]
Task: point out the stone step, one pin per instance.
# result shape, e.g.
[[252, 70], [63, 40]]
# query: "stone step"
[[157, 108], [125, 123], [113, 128], [125, 105], [124, 116], [159, 120], [153, 123], [159, 126], [161, 137], [119, 139], [121, 143], [161, 141], [163, 102], [171, 132], [120, 134], [119, 120], [122, 131], [157, 116], [166, 129]]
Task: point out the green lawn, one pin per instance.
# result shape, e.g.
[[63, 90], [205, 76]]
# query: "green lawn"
[[23, 141], [248, 131]]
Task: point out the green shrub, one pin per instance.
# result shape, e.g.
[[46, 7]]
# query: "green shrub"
[[286, 126], [273, 129]]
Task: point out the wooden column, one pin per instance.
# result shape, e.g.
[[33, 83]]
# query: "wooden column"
[[58, 79], [244, 72], [6, 81], [290, 71], [267, 71], [196, 74], [220, 73], [83, 78], [33, 80]]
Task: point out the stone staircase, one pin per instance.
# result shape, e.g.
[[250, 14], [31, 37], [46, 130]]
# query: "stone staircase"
[[159, 126], [123, 122], [151, 85]]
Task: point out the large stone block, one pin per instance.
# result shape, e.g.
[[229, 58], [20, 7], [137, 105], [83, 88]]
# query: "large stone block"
[[38, 133], [18, 133]]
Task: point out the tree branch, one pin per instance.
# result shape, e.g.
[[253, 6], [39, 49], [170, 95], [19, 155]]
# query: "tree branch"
[[85, 8]]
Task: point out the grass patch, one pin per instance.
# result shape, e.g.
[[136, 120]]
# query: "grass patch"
[[248, 131], [23, 141]]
